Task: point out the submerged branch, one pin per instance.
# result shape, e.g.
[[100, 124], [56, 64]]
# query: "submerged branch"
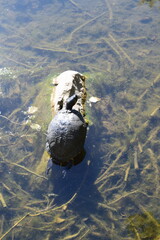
[[127, 173], [123, 196], [6, 233], [54, 50], [136, 166], [2, 116], [103, 176], [157, 78], [156, 168], [109, 9], [112, 47], [19, 63], [129, 117], [83, 25], [132, 39], [78, 7], [24, 168], [74, 235], [122, 50], [2, 200]]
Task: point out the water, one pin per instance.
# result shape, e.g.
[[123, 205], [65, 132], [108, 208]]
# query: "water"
[[114, 192]]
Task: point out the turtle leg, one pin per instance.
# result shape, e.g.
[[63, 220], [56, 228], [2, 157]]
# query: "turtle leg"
[[49, 166]]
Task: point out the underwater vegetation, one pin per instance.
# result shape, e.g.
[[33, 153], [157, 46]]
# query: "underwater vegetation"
[[144, 226], [129, 133], [151, 3], [114, 193]]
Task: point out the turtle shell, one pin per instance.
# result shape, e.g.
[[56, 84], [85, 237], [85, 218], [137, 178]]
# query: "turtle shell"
[[66, 135]]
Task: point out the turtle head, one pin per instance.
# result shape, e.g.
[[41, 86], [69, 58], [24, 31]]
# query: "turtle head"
[[71, 101]]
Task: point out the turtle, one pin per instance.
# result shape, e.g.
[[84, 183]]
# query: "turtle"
[[66, 134]]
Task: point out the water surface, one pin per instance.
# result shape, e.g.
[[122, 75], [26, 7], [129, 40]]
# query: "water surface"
[[114, 192]]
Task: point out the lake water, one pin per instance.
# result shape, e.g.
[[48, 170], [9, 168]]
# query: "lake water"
[[114, 193]]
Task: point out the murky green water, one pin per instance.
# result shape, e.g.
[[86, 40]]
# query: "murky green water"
[[114, 193]]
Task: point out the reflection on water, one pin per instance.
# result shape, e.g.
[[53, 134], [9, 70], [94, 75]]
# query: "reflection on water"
[[114, 192]]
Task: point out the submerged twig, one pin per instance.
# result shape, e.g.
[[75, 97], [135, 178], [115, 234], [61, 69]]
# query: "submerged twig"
[[155, 111], [150, 87], [129, 117], [2, 116], [88, 55], [140, 147], [83, 25], [112, 47], [137, 233], [103, 176], [152, 135], [121, 197], [24, 168], [127, 173], [23, 158], [43, 212], [2, 223], [2, 200], [6, 233], [85, 234], [19, 63], [54, 50], [156, 79], [99, 222], [74, 235], [8, 189], [143, 94], [109, 9], [155, 165], [121, 49], [136, 159], [28, 170], [105, 206], [78, 7], [132, 39]]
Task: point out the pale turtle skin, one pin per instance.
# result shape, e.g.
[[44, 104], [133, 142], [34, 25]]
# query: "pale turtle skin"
[[66, 134]]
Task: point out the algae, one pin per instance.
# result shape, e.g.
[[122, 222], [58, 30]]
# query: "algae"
[[151, 3]]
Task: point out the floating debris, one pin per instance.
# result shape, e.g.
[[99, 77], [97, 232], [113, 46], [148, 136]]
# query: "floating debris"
[[5, 71], [94, 99], [32, 109], [35, 126]]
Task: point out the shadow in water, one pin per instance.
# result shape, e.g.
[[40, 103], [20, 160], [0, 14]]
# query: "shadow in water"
[[64, 183]]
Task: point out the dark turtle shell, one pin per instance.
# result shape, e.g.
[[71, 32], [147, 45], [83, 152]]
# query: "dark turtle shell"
[[66, 135]]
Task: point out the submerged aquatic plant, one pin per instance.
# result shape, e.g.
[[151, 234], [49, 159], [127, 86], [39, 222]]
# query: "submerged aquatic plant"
[[144, 226], [106, 41], [151, 3]]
